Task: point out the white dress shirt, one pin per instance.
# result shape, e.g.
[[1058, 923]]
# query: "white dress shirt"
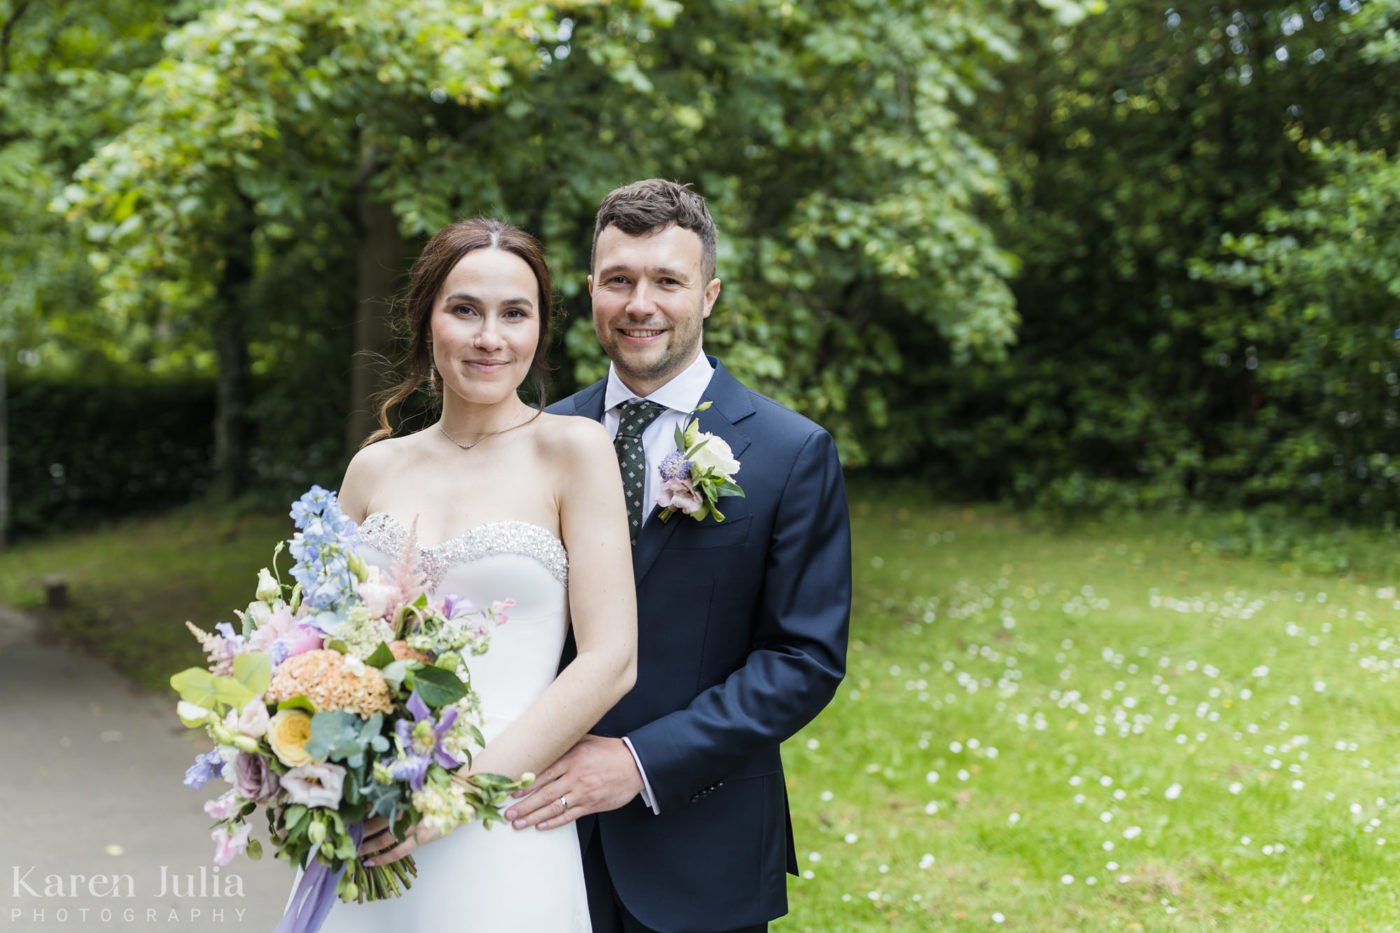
[[680, 396]]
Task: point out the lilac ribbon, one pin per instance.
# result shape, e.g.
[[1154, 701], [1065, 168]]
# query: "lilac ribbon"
[[315, 894]]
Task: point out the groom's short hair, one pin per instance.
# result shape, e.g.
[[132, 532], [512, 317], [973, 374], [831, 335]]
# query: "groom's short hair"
[[650, 206]]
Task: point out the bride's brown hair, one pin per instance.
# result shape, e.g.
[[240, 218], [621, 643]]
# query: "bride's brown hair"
[[439, 257]]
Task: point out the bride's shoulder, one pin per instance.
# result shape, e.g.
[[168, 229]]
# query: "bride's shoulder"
[[370, 467], [571, 436], [382, 455]]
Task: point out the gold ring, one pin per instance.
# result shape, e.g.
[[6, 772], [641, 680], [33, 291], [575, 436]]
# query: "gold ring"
[[563, 804]]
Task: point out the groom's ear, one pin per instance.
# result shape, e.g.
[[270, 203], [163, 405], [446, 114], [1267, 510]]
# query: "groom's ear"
[[711, 295], [590, 283]]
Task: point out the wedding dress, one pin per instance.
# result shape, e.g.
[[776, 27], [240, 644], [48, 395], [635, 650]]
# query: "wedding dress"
[[501, 879]]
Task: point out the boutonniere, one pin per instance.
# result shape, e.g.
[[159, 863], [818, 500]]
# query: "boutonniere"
[[697, 473]]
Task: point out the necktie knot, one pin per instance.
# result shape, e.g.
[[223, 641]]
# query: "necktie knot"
[[636, 415]]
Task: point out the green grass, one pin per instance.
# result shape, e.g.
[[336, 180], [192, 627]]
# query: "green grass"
[[1114, 725], [1098, 727], [133, 584]]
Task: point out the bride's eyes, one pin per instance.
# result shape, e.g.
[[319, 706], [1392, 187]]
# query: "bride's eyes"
[[510, 314]]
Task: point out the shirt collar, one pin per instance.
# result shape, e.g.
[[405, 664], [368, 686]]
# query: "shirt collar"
[[681, 394]]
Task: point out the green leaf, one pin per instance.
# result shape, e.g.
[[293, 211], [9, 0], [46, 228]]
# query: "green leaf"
[[198, 686], [253, 670], [300, 701], [437, 687], [195, 685], [382, 657], [232, 693], [294, 817]]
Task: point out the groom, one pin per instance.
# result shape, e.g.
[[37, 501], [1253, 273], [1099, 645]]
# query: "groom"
[[679, 794]]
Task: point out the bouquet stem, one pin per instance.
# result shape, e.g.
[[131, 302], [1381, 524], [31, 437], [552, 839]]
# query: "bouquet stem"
[[382, 882]]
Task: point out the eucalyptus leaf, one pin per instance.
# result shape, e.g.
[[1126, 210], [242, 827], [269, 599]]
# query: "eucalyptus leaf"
[[336, 736]]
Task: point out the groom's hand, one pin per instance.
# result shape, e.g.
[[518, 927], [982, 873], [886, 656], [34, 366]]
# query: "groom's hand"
[[595, 776]]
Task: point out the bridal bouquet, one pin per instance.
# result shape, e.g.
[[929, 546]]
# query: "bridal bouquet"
[[340, 697]]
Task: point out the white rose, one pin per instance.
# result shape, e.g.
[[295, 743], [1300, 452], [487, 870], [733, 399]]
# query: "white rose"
[[714, 454]]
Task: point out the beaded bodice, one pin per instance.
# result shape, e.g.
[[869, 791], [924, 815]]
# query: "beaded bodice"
[[384, 532]]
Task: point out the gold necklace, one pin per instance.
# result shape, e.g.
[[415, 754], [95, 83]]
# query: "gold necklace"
[[443, 429]]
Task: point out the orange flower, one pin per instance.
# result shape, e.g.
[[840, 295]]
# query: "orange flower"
[[330, 681]]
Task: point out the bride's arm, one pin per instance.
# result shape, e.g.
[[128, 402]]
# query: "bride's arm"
[[602, 605]]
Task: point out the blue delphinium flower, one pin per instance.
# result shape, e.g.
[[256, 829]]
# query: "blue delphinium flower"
[[324, 539], [206, 766]]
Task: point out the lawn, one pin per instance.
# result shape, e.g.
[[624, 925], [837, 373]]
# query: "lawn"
[[1103, 727], [133, 584], [1106, 726]]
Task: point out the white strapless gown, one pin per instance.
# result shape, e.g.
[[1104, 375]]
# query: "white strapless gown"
[[500, 880]]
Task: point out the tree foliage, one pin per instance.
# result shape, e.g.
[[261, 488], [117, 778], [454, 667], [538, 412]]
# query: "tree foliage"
[[1139, 144], [1076, 253], [826, 136]]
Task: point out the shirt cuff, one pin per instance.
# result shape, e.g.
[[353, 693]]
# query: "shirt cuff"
[[648, 797]]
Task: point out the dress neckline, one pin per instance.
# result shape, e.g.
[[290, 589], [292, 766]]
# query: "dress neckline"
[[526, 539], [473, 530]]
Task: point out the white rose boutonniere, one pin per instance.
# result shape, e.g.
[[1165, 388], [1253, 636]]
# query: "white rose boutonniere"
[[697, 473]]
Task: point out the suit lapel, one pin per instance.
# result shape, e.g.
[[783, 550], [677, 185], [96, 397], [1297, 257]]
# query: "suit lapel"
[[589, 402], [731, 406]]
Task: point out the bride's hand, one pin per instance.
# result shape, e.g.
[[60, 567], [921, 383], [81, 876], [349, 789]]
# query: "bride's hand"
[[380, 846]]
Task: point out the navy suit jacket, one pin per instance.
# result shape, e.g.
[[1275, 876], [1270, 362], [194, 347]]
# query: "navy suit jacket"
[[742, 628]]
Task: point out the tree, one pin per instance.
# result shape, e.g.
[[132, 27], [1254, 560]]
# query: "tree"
[[257, 117], [1134, 141], [824, 134], [62, 83]]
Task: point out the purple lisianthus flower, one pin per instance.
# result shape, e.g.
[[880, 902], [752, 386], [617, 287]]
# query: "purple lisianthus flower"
[[675, 466], [253, 778], [454, 606], [421, 743], [206, 766]]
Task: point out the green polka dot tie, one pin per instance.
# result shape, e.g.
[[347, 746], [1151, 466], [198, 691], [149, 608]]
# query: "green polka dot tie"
[[632, 457]]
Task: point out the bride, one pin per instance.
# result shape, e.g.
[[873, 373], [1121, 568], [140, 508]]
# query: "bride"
[[506, 502]]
